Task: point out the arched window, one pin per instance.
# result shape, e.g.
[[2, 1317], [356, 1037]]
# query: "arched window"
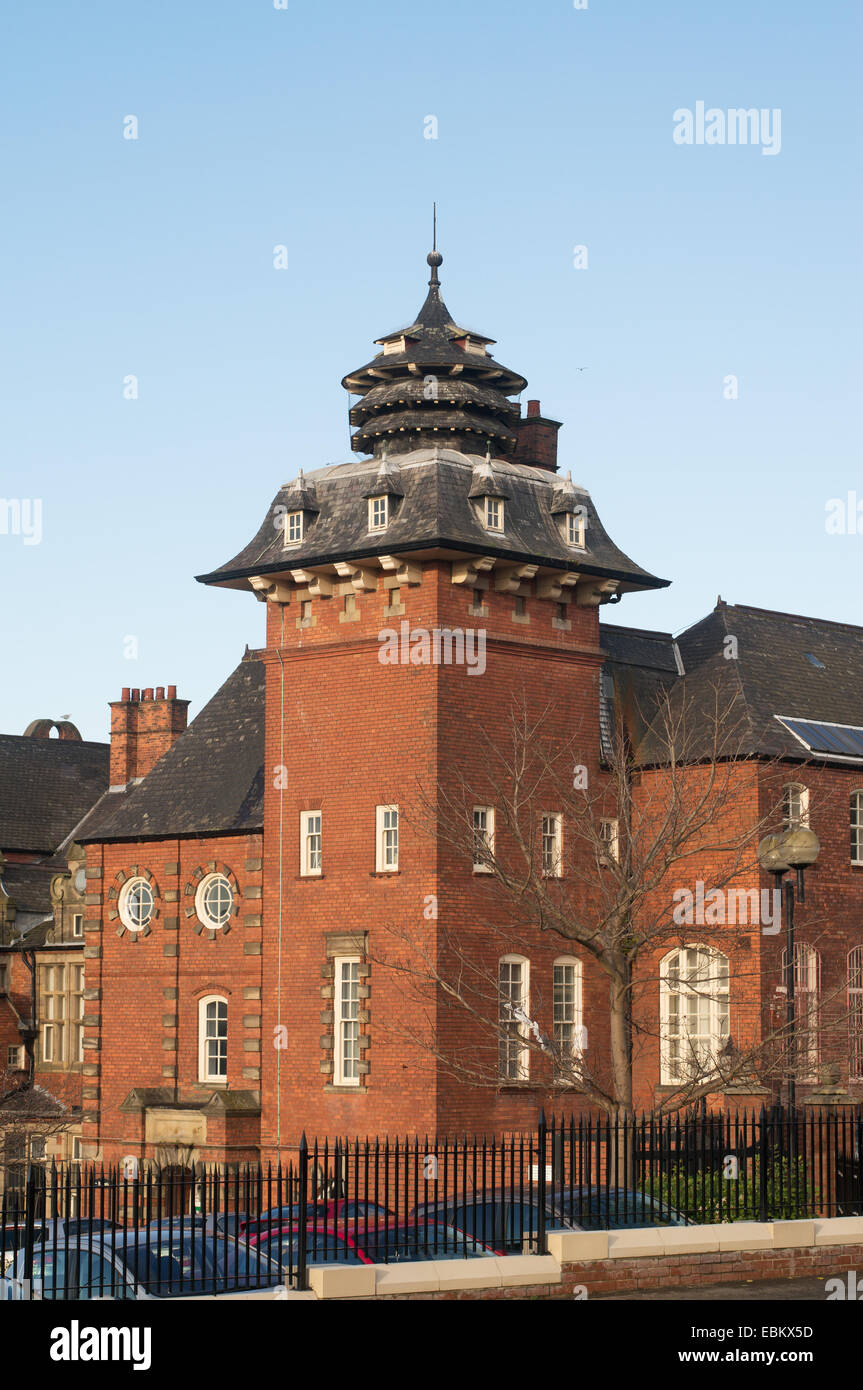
[[795, 806], [855, 1011], [514, 1022], [807, 986], [857, 827], [693, 996], [213, 1038], [567, 1014]]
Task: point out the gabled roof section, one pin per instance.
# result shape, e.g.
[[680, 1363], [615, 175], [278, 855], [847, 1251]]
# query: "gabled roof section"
[[211, 780], [46, 786], [770, 655]]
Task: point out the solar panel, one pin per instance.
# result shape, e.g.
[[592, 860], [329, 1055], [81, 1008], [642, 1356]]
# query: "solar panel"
[[839, 740]]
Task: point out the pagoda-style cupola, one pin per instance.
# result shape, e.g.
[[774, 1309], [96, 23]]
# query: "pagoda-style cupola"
[[434, 382]]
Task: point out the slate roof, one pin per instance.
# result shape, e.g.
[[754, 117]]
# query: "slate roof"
[[46, 786], [768, 672], [210, 781], [434, 515], [29, 885], [774, 673], [632, 646]]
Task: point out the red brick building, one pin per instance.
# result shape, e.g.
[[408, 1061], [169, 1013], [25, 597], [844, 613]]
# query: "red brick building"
[[273, 892]]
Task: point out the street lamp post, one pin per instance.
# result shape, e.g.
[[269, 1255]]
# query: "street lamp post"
[[796, 849]]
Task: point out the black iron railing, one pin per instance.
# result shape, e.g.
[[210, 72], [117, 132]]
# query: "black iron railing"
[[82, 1231]]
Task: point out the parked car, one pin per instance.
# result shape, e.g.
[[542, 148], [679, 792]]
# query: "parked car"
[[387, 1242], [338, 1213], [141, 1264], [507, 1218]]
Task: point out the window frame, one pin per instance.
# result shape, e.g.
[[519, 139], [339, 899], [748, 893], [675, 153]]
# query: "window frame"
[[855, 814], [77, 917], [204, 917], [513, 1060], [341, 1021], [552, 866], [575, 1050], [288, 539], [308, 869], [854, 986], [53, 1013], [381, 831], [486, 833], [381, 503], [494, 513], [575, 522], [802, 791], [807, 1008], [204, 1038], [139, 881], [719, 1005], [612, 841]]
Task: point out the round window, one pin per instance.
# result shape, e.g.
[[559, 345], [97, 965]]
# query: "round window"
[[136, 904], [214, 901]]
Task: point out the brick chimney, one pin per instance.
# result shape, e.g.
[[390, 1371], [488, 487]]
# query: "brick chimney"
[[536, 443], [144, 724]]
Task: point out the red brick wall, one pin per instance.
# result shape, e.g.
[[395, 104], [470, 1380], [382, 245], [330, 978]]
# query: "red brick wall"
[[135, 976]]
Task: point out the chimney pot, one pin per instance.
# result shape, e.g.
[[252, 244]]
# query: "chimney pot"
[[160, 692], [148, 693], [125, 693], [172, 692], [533, 408], [136, 695]]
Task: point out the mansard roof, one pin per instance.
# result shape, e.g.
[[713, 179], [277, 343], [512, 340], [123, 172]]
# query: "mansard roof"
[[434, 519], [211, 780], [46, 786]]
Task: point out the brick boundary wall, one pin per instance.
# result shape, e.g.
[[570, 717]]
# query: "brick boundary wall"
[[601, 1277]]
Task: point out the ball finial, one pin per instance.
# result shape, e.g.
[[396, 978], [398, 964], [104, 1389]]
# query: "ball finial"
[[434, 258]]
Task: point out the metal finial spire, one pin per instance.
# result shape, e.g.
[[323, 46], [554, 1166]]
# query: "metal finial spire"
[[434, 256]]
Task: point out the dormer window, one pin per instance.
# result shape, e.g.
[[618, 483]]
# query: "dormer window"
[[294, 528], [494, 513], [575, 529], [378, 513]]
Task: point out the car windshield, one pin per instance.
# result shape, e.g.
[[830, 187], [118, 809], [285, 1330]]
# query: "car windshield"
[[615, 1210], [420, 1240], [321, 1247], [193, 1264]]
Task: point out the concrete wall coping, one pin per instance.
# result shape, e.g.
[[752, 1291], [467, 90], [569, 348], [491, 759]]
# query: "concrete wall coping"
[[565, 1247]]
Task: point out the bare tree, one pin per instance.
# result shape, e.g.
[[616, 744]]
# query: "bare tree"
[[660, 812]]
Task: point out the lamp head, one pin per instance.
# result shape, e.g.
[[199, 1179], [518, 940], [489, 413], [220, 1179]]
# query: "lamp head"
[[800, 847], [771, 855]]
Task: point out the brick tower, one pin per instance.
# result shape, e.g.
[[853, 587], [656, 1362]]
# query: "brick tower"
[[415, 597]]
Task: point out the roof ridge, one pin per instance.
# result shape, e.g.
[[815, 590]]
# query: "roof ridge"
[[796, 617]]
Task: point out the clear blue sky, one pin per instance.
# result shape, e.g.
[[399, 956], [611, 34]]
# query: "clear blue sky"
[[305, 127]]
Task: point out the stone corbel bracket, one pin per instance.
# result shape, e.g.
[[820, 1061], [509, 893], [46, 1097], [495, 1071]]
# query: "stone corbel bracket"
[[468, 571], [405, 572], [591, 593], [363, 580], [270, 590], [509, 579]]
